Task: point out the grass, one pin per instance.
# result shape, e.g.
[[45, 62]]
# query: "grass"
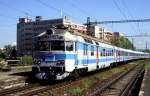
[[147, 66], [146, 62], [74, 91], [87, 83], [23, 68]]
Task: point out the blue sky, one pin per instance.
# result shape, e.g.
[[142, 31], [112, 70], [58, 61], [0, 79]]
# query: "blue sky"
[[77, 10]]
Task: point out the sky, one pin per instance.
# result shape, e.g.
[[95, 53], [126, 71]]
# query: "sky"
[[78, 11]]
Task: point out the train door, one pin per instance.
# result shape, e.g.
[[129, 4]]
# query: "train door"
[[117, 56], [97, 56], [85, 55]]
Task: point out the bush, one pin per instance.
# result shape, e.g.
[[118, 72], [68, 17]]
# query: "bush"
[[26, 60], [2, 55]]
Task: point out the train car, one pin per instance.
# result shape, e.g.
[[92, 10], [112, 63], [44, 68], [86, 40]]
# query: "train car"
[[61, 53]]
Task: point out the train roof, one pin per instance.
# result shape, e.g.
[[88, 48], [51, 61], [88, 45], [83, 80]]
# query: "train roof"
[[76, 36]]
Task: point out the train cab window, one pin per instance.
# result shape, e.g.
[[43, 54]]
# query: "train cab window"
[[69, 46], [57, 45], [92, 50], [43, 46], [51, 45]]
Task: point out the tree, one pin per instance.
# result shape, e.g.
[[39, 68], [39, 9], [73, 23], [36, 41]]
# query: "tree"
[[123, 43], [10, 51], [2, 55], [7, 50], [13, 53], [26, 60], [147, 51]]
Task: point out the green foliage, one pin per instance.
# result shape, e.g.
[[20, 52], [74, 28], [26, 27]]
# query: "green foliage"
[[75, 91], [26, 60], [23, 68], [147, 51], [123, 43], [86, 83], [2, 55]]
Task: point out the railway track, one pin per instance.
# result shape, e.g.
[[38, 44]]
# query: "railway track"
[[119, 86], [58, 88], [11, 82], [47, 90], [54, 90], [14, 90]]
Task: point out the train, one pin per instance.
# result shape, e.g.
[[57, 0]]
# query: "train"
[[61, 53]]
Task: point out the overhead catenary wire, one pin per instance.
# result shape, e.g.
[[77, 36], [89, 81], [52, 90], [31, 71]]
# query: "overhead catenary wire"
[[84, 12], [57, 10], [9, 17], [123, 14], [130, 14], [75, 6], [16, 9]]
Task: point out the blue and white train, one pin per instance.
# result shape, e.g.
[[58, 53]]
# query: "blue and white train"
[[61, 53]]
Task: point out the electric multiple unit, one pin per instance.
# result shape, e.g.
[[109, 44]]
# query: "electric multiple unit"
[[61, 53]]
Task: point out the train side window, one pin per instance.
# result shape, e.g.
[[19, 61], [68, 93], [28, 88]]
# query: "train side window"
[[112, 53], [92, 50], [101, 52], [108, 53], [69, 46], [104, 52], [85, 49]]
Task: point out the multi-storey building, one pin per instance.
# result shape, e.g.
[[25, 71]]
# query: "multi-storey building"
[[27, 30], [101, 33]]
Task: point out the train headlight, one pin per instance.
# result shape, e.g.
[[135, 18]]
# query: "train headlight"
[[37, 61], [60, 63]]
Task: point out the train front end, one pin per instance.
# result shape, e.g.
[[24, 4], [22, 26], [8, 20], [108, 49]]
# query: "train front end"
[[55, 56]]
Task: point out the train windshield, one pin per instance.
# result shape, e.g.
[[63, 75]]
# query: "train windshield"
[[55, 45]]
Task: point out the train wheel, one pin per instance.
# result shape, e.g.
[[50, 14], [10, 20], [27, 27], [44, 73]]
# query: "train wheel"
[[75, 75]]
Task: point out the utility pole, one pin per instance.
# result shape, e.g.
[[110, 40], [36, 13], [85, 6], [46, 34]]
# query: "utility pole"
[[88, 26], [133, 43], [146, 45]]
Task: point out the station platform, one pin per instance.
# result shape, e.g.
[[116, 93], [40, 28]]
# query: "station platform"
[[145, 87]]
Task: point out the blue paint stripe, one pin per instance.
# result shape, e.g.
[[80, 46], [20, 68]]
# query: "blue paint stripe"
[[91, 61], [57, 56]]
